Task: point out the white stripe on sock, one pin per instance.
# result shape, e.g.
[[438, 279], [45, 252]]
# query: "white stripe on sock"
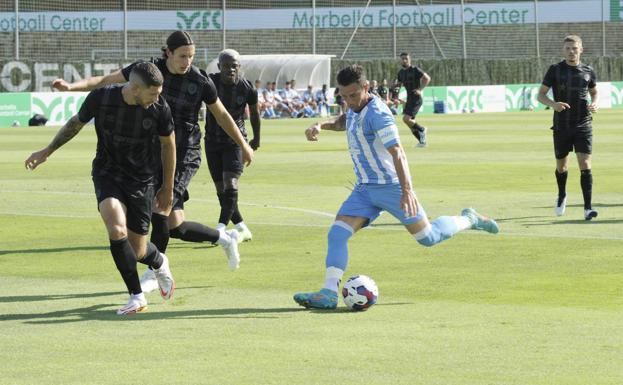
[[423, 233]]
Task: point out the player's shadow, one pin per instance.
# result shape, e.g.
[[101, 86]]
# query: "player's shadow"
[[56, 297], [341, 310], [53, 250], [106, 312], [595, 205], [192, 245], [512, 219], [578, 221]]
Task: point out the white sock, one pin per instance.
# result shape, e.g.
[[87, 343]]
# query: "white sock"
[[139, 296], [221, 226], [333, 277], [463, 223]]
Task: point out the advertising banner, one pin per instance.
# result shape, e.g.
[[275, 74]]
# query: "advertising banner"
[[442, 15], [14, 109]]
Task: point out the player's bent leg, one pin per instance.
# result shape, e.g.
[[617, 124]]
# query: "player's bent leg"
[[113, 213], [431, 233]]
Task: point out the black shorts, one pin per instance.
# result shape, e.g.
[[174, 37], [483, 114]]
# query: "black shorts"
[[187, 165], [413, 105], [137, 198], [571, 139], [223, 158]]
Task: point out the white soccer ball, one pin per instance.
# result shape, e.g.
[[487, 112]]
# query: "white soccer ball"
[[360, 292]]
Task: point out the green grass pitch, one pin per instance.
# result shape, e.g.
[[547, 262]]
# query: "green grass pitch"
[[539, 303]]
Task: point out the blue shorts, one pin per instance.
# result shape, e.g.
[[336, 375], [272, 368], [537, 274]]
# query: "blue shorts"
[[369, 200]]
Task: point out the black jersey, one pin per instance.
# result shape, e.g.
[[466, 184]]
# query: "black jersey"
[[410, 78], [235, 98], [184, 94], [126, 135], [570, 85]]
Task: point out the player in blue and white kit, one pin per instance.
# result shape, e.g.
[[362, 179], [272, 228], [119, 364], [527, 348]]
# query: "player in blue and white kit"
[[383, 183]]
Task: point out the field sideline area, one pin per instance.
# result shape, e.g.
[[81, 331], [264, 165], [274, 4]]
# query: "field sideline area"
[[539, 303]]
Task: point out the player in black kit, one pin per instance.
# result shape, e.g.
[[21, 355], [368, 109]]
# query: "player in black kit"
[[185, 89], [223, 154], [572, 82], [414, 80], [129, 120]]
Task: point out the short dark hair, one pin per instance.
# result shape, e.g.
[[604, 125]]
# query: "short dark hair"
[[352, 74], [404, 54], [146, 74], [573, 39], [175, 40]]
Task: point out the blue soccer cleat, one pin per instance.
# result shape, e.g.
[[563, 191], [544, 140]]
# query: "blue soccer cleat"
[[480, 222], [323, 299]]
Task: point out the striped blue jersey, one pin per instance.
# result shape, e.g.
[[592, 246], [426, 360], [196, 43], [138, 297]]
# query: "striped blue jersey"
[[370, 132]]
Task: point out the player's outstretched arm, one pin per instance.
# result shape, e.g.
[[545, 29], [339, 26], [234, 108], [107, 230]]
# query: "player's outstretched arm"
[[64, 135], [227, 123], [407, 200], [90, 83], [164, 196], [335, 124]]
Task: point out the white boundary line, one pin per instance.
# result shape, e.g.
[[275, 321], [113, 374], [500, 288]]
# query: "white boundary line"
[[285, 208], [372, 228]]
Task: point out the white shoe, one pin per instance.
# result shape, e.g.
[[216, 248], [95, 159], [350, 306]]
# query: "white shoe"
[[136, 304], [231, 250], [590, 214], [149, 282], [165, 279], [560, 208], [244, 234]]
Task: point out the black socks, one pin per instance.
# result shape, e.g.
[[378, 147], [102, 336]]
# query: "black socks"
[[195, 232], [125, 259], [229, 204], [152, 258], [561, 180], [586, 181], [160, 231]]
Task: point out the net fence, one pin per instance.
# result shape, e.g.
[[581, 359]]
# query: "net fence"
[[71, 30]]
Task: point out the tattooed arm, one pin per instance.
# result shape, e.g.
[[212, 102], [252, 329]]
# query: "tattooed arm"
[[64, 135], [335, 124]]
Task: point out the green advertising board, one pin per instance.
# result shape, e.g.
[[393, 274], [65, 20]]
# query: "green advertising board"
[[616, 94], [522, 97], [14, 108]]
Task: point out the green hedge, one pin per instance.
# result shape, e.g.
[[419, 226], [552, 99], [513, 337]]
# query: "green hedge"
[[458, 72], [449, 72]]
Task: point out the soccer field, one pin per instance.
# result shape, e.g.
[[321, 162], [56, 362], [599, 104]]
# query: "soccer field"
[[539, 303]]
